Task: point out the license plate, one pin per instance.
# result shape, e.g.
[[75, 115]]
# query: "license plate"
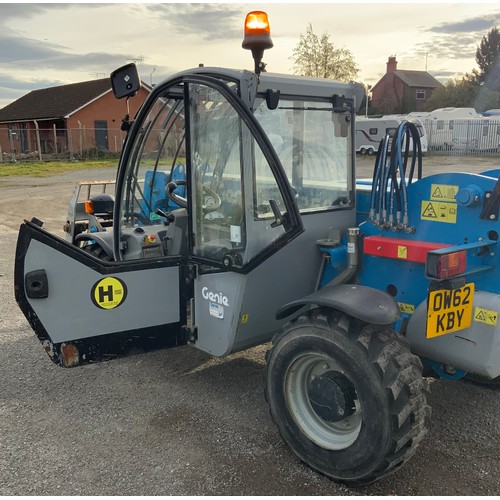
[[449, 310]]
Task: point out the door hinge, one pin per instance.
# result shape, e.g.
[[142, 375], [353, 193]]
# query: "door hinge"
[[189, 273]]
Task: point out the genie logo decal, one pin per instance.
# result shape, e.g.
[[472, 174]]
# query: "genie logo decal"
[[218, 298]]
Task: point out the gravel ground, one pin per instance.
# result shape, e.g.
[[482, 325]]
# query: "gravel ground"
[[179, 422]]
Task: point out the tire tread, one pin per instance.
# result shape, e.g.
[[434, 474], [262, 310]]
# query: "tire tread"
[[400, 372]]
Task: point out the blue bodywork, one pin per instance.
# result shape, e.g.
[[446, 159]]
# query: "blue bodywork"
[[447, 209], [407, 278]]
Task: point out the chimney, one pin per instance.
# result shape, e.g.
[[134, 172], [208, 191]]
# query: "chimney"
[[392, 64]]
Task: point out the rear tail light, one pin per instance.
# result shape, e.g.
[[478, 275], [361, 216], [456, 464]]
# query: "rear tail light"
[[446, 265]]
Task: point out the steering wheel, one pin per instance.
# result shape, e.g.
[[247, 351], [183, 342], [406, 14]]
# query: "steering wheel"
[[210, 194]]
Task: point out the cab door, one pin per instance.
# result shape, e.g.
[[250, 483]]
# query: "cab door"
[[85, 310], [167, 258], [88, 303]]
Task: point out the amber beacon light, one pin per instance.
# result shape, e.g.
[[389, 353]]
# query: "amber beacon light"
[[257, 37]]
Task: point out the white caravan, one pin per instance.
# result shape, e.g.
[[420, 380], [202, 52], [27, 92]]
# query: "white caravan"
[[370, 131], [461, 130]]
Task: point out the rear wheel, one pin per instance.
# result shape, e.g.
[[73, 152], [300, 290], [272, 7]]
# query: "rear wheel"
[[347, 397]]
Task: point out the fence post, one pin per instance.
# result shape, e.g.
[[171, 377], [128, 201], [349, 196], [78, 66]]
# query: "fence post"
[[70, 144], [38, 145], [55, 140], [80, 136]]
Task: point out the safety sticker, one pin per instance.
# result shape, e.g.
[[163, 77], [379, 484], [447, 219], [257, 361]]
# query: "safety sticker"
[[216, 310], [244, 319], [108, 293], [437, 211], [485, 316], [406, 308], [402, 252], [443, 192]]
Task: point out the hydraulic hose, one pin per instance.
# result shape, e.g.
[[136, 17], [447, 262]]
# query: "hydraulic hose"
[[375, 193], [389, 194]]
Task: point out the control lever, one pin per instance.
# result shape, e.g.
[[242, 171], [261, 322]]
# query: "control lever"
[[168, 217]]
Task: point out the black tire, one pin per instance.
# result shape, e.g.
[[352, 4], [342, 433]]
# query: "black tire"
[[323, 361]]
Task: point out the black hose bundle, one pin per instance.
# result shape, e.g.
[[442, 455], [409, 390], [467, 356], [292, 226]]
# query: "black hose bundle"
[[389, 201]]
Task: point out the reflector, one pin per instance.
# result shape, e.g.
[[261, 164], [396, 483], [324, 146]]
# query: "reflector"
[[446, 265], [89, 207]]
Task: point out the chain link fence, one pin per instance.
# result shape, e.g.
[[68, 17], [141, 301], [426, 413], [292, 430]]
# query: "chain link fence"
[[23, 145], [477, 137]]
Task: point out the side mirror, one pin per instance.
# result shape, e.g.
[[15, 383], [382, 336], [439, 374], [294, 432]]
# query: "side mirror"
[[125, 81]]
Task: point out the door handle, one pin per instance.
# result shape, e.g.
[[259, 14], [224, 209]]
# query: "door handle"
[[36, 284]]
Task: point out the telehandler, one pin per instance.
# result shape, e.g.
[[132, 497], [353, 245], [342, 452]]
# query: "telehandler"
[[237, 221]]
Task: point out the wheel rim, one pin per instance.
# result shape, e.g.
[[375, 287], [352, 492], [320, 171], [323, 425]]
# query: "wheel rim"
[[302, 388]]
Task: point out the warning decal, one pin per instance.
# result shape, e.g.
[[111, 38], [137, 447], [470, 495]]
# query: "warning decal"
[[402, 252], [443, 192], [437, 211], [108, 293], [485, 316], [406, 308]]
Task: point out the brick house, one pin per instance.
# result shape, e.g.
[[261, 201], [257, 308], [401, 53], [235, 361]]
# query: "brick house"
[[66, 120], [402, 91]]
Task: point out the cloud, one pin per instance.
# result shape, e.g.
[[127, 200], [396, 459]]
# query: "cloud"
[[450, 47], [456, 40], [9, 11], [15, 48], [211, 22], [473, 25], [17, 52], [9, 82]]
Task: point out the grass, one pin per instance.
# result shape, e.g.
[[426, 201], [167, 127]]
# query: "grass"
[[46, 169]]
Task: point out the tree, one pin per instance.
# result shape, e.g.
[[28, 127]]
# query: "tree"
[[458, 93], [479, 89], [466, 92], [318, 57], [488, 59]]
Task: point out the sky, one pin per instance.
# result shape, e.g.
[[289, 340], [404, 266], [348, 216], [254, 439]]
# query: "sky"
[[48, 44]]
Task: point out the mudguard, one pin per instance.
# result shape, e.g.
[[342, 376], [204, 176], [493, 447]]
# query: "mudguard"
[[362, 302]]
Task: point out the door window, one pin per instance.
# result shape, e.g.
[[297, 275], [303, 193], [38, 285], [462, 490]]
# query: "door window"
[[158, 156], [233, 186]]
